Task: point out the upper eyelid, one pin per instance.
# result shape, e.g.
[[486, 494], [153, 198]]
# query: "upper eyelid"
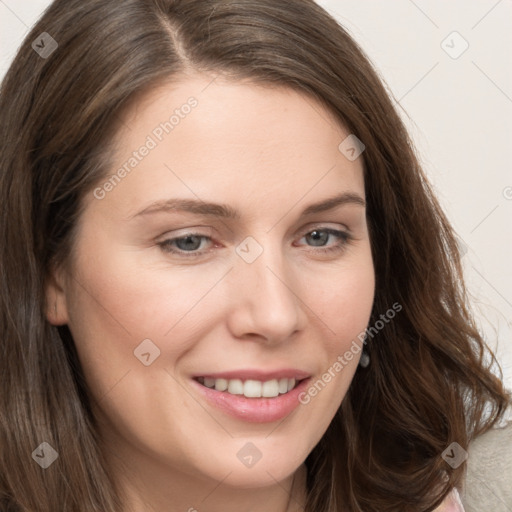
[[310, 227], [343, 230]]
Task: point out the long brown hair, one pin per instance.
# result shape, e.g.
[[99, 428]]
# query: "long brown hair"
[[428, 383]]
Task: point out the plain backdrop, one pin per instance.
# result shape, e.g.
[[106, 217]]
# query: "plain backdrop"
[[448, 65]]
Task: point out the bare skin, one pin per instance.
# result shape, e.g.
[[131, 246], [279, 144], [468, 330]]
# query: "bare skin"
[[267, 153]]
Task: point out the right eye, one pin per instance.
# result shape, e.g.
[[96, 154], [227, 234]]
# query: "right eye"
[[186, 245]]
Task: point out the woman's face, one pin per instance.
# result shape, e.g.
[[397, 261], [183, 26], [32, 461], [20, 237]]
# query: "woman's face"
[[232, 247]]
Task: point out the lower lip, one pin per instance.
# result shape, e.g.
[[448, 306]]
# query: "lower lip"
[[254, 410]]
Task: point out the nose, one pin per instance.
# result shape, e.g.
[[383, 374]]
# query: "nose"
[[265, 299]]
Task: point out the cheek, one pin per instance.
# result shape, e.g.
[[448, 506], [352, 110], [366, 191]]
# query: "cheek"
[[116, 307], [343, 301], [343, 304]]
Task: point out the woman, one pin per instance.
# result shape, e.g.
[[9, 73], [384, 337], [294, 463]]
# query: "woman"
[[226, 284]]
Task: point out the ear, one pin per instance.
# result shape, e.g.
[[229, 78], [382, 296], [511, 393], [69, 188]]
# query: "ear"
[[56, 303]]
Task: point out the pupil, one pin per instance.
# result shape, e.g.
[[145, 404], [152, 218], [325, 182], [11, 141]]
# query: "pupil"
[[319, 237], [189, 243]]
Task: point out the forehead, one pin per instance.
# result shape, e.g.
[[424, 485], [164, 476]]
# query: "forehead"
[[203, 137]]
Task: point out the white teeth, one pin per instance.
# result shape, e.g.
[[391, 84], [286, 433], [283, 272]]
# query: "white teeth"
[[236, 387], [221, 384], [250, 388], [209, 382], [283, 385], [270, 388]]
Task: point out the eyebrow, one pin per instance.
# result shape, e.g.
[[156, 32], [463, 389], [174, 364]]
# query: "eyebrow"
[[227, 212]]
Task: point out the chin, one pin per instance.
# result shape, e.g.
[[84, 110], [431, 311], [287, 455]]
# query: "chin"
[[249, 467]]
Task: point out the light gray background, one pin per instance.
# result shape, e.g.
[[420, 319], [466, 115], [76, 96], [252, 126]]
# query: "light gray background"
[[458, 111]]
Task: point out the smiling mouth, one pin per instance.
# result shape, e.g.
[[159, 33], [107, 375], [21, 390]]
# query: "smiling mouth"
[[251, 388]]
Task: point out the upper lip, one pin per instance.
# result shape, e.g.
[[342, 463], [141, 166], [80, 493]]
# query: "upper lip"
[[256, 374]]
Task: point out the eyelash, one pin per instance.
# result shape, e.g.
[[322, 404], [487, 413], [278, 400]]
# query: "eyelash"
[[345, 238]]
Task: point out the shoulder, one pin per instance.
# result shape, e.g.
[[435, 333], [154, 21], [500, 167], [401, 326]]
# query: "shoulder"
[[489, 471]]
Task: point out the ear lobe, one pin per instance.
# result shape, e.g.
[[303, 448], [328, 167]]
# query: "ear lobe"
[[56, 304]]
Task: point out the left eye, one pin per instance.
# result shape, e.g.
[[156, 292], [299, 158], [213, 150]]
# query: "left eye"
[[320, 237]]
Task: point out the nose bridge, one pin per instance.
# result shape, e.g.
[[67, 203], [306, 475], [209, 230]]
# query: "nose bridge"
[[265, 294]]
